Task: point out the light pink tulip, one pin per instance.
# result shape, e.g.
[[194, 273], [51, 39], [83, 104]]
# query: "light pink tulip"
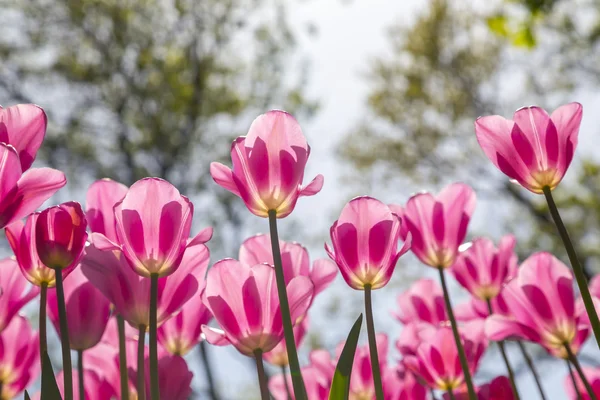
[[437, 363], [15, 291], [88, 311], [365, 243], [96, 388], [23, 126], [22, 192], [278, 356], [401, 384], [245, 303], [22, 240], [268, 166], [19, 357], [153, 223], [295, 260], [476, 309], [534, 148], [482, 269], [129, 292], [422, 302], [593, 377], [103, 359], [541, 301], [438, 224], [412, 335], [101, 198]]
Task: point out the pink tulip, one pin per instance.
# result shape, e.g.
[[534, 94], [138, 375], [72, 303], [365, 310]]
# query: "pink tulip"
[[400, 384], [181, 333], [22, 240], [438, 225], [534, 148], [278, 356], [60, 235], [437, 362], [482, 269], [412, 335], [476, 309], [19, 357], [130, 293], [15, 290], [88, 311], [103, 359], [245, 303], [22, 192], [268, 166], [96, 388], [593, 377], [23, 126], [102, 196], [498, 389], [541, 301], [153, 223], [365, 243], [422, 302], [295, 259], [362, 385]]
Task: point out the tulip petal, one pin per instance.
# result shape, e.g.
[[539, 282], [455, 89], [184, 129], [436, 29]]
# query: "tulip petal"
[[23, 126], [214, 336], [313, 187], [101, 198], [300, 292], [223, 176]]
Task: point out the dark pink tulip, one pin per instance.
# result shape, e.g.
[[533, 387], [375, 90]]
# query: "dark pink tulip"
[[103, 359], [541, 301], [88, 311], [278, 356], [365, 243], [498, 389], [22, 192], [129, 292], [593, 377], [60, 235], [436, 362], [438, 224], [22, 240], [534, 148], [101, 198], [400, 384], [23, 126], [422, 302], [483, 269], [245, 303], [268, 166], [96, 388], [475, 309], [16, 291], [153, 223], [19, 357], [295, 259]]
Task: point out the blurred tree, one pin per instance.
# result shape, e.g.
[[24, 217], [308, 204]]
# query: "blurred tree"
[[451, 66]]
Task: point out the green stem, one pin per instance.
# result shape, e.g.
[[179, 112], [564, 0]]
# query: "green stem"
[[373, 344], [451, 394], [582, 376], [154, 389], [80, 375], [573, 380], [285, 383], [511, 374], [461, 351], [262, 377], [123, 359], [43, 302], [577, 268], [212, 387], [532, 368], [290, 344], [64, 336], [141, 375]]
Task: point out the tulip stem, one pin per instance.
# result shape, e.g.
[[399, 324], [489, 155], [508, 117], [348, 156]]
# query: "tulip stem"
[[43, 340], [154, 389], [532, 368], [123, 359], [373, 344], [64, 336], [461, 351], [573, 380], [290, 344], [141, 375], [511, 374], [577, 268], [262, 377], [80, 374], [582, 376], [285, 383], [212, 388]]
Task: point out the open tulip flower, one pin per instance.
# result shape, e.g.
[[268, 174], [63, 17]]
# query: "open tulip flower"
[[19, 358], [401, 384], [268, 166], [101, 198], [16, 291], [482, 269], [422, 302], [23, 127], [412, 335], [96, 387], [317, 378], [580, 393], [278, 356], [541, 301], [498, 389]]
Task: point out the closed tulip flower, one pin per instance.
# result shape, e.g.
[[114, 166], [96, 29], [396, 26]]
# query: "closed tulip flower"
[[16, 291]]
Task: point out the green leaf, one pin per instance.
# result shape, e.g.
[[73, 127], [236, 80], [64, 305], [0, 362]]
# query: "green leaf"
[[340, 386], [49, 387], [524, 37], [27, 396], [498, 25]]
